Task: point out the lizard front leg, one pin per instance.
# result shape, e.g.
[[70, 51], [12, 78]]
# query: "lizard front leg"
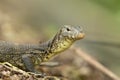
[[30, 64]]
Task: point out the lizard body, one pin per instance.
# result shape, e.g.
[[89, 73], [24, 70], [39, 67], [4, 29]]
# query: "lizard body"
[[27, 56]]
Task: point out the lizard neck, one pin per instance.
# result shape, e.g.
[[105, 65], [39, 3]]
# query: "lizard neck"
[[56, 45]]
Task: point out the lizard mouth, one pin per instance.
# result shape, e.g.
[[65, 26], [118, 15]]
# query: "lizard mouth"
[[80, 36]]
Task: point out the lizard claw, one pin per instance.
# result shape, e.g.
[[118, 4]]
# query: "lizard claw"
[[42, 75], [37, 74]]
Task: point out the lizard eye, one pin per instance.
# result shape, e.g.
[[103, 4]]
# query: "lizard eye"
[[68, 29]]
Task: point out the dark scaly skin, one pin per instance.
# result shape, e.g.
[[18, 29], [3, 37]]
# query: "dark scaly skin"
[[27, 56]]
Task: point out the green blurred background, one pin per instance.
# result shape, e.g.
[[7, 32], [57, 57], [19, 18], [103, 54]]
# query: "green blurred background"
[[39, 18]]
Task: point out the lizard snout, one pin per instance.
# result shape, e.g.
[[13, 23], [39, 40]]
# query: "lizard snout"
[[80, 34]]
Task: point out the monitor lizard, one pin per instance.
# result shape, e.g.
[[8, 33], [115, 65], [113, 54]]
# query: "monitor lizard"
[[27, 56]]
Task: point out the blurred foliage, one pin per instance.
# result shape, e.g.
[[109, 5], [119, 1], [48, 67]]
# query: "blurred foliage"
[[112, 5]]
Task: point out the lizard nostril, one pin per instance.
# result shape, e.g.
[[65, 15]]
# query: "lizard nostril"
[[78, 26], [81, 29]]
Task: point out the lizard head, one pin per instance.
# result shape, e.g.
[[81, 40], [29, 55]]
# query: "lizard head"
[[72, 33], [66, 37]]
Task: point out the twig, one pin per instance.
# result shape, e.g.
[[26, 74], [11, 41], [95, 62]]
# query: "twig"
[[95, 63]]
